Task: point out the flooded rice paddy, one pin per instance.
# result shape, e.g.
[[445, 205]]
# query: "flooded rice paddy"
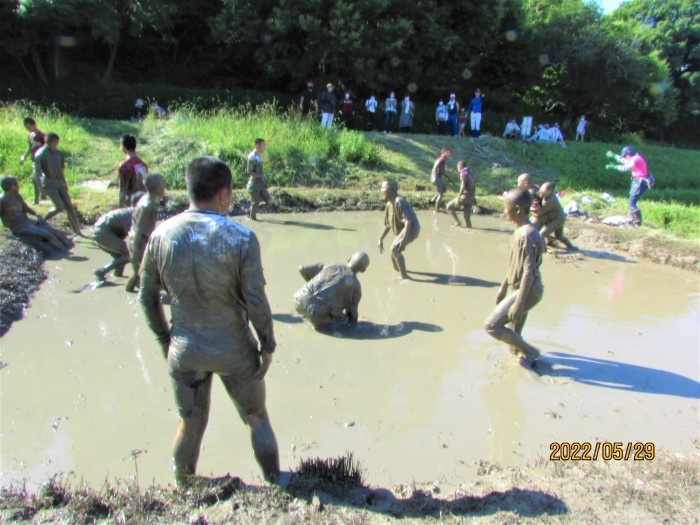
[[419, 392]]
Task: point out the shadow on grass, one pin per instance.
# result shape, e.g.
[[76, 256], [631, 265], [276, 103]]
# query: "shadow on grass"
[[620, 376], [340, 482], [457, 280]]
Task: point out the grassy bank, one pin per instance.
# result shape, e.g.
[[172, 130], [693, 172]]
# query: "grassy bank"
[[302, 155], [665, 490]]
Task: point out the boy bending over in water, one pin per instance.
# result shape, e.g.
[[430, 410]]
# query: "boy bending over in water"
[[522, 287]]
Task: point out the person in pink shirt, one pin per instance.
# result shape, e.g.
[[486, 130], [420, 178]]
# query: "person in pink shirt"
[[630, 160]]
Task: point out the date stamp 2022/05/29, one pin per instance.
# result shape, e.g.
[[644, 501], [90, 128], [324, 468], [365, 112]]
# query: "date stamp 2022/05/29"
[[606, 450]]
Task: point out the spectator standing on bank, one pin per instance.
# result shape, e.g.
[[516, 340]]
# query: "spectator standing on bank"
[[441, 118], [407, 114], [347, 110], [390, 113], [308, 103], [581, 129], [370, 113], [475, 107], [328, 103], [452, 111]]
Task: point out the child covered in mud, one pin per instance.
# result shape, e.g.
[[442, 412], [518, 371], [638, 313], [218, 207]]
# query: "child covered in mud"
[[522, 287], [14, 213], [549, 217], [110, 233], [49, 169], [256, 180], [401, 219], [331, 296], [436, 177], [466, 199], [131, 171], [37, 140], [212, 269], [145, 216]]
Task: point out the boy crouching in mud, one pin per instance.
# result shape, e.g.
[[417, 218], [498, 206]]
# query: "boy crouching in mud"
[[522, 287]]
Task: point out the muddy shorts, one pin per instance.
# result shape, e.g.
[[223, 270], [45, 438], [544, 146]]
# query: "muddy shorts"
[[191, 373], [440, 186], [499, 317], [555, 228], [260, 195], [110, 242], [409, 238], [58, 195], [464, 202]]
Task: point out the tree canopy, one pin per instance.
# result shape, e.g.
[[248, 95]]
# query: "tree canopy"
[[635, 69]]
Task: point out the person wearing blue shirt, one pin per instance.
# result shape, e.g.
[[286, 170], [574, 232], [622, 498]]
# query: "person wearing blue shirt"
[[475, 106]]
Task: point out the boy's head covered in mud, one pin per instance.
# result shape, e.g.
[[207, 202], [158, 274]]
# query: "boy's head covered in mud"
[[517, 204], [209, 179], [9, 185], [155, 185], [390, 188]]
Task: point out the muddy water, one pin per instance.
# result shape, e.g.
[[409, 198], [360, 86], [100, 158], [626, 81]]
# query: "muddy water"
[[420, 393]]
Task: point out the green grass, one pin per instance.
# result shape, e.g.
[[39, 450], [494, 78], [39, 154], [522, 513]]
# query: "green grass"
[[301, 154]]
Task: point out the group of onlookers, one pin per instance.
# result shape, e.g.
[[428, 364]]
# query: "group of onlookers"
[[397, 114]]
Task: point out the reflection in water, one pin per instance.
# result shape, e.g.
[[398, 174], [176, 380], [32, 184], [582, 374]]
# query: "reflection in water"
[[621, 376], [505, 411]]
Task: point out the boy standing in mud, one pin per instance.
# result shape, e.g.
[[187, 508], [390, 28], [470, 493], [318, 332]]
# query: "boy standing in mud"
[[550, 217], [401, 219], [467, 195], [144, 220], [132, 171], [14, 213], [256, 181], [211, 268], [49, 169], [436, 176], [37, 140], [522, 287]]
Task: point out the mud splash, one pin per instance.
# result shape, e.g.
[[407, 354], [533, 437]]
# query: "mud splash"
[[419, 392]]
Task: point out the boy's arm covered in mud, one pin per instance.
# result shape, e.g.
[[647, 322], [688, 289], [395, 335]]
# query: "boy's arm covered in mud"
[[253, 288], [149, 297]]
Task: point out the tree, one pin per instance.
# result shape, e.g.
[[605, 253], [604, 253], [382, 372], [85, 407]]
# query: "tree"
[[590, 64], [674, 29]]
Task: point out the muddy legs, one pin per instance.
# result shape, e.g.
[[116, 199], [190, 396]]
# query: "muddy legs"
[[264, 445], [398, 261], [496, 326]]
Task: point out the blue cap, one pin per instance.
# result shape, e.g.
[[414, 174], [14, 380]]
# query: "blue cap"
[[627, 150]]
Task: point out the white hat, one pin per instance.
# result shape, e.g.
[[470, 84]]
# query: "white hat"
[[452, 95]]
